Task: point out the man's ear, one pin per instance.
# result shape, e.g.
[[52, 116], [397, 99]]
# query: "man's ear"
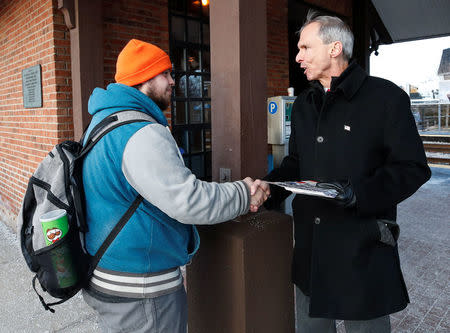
[[336, 49]]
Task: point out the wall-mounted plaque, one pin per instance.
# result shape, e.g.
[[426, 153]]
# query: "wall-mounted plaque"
[[32, 87]]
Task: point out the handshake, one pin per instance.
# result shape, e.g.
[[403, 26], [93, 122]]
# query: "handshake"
[[259, 192]]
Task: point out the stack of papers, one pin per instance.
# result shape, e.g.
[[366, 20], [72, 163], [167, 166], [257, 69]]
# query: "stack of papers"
[[307, 187]]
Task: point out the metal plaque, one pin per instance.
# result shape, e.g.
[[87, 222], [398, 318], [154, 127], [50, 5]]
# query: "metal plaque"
[[32, 87]]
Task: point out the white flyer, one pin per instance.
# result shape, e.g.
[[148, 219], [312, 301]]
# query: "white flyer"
[[307, 187]]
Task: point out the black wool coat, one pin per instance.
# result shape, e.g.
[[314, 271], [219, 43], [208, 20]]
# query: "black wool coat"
[[362, 131]]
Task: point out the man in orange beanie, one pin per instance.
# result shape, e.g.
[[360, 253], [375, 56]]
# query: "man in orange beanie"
[[137, 285]]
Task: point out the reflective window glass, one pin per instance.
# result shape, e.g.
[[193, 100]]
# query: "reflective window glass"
[[206, 34], [207, 86], [207, 111], [195, 112], [180, 113], [205, 7], [187, 161], [193, 60], [208, 164], [181, 139], [180, 85], [196, 141], [177, 6], [207, 140], [206, 62], [191, 99], [178, 28], [179, 60], [194, 35], [194, 7], [198, 165], [195, 86]]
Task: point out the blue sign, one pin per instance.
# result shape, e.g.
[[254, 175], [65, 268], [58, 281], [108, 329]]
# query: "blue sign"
[[273, 107]]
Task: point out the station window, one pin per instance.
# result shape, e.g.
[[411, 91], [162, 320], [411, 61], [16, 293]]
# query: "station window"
[[191, 99]]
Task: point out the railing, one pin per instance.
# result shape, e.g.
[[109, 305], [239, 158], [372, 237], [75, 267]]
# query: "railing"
[[431, 116]]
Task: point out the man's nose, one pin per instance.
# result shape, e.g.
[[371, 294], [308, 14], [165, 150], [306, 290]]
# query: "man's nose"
[[171, 81], [298, 58]]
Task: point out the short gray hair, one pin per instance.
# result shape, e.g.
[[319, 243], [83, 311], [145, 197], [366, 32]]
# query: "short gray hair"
[[332, 29]]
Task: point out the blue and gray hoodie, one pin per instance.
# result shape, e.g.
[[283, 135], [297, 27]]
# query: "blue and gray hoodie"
[[143, 158]]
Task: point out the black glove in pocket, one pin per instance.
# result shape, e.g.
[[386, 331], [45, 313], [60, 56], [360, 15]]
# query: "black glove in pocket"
[[345, 197], [389, 231]]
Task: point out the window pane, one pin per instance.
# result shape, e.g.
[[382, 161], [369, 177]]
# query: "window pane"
[[193, 60], [177, 6], [181, 137], [195, 86], [207, 86], [194, 32], [208, 164], [180, 85], [206, 62], [205, 7], [206, 34], [198, 166], [194, 7], [195, 112], [178, 28], [196, 141], [207, 112], [208, 140], [191, 99], [180, 113], [187, 161], [178, 58]]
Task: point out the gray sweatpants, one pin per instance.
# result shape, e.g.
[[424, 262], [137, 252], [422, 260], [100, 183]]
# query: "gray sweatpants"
[[306, 324], [163, 314]]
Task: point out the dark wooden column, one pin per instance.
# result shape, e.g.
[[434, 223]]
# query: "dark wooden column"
[[84, 19], [240, 279], [239, 87]]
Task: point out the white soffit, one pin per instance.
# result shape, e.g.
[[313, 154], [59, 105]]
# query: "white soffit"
[[414, 19]]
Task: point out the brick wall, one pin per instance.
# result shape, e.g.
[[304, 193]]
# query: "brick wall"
[[31, 33], [277, 48], [127, 19]]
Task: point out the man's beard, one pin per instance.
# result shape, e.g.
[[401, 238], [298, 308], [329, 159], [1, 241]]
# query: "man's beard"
[[160, 100]]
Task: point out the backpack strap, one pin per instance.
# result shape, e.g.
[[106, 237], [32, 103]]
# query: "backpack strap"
[[110, 123], [101, 129], [105, 126], [47, 306], [115, 231]]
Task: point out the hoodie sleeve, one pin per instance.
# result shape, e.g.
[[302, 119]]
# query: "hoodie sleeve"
[[152, 165]]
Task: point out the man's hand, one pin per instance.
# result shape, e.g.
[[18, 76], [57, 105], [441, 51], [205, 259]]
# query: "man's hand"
[[259, 191], [346, 196]]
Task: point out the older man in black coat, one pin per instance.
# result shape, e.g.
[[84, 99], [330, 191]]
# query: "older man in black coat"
[[354, 133]]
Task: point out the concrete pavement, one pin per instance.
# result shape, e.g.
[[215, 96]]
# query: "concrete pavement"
[[21, 308]]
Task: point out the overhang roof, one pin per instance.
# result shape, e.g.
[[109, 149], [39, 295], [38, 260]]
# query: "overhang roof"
[[408, 20]]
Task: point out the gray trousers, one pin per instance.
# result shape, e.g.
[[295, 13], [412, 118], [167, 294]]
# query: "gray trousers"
[[163, 314], [306, 324]]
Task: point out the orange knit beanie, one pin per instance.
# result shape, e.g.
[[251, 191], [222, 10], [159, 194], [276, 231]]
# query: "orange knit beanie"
[[140, 61]]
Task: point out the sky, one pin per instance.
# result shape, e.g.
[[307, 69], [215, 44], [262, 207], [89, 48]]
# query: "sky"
[[414, 62]]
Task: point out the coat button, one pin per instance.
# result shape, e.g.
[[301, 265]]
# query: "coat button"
[[320, 139], [317, 220]]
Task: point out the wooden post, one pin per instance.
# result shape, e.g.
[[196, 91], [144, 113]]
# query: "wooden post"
[[85, 22], [240, 279]]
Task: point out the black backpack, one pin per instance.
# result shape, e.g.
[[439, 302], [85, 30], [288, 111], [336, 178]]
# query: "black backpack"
[[65, 267]]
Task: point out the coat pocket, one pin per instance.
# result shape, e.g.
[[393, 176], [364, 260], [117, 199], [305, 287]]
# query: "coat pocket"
[[389, 231], [371, 232]]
